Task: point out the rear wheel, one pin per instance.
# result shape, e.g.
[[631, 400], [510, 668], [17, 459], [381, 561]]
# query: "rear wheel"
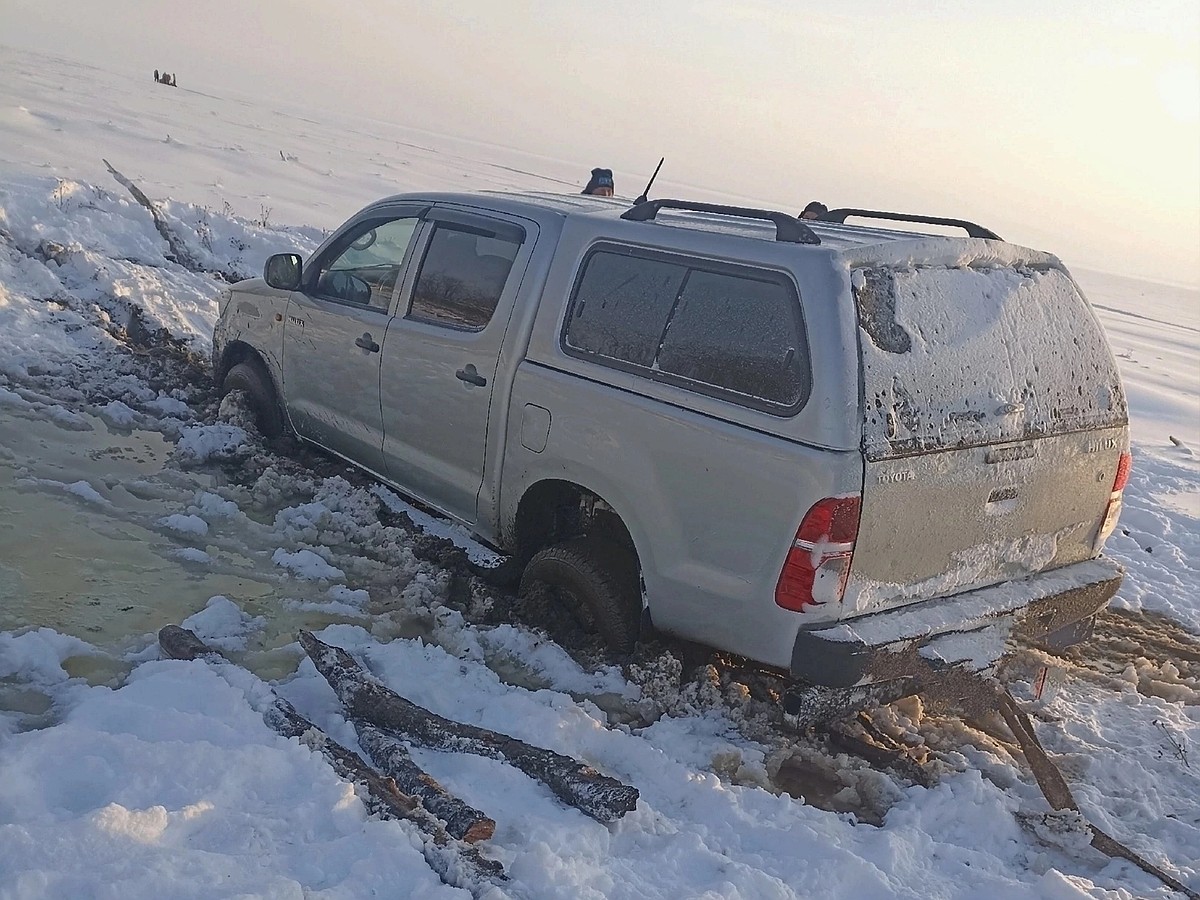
[[255, 383], [593, 580]]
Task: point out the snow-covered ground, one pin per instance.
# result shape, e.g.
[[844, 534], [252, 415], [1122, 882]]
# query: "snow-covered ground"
[[129, 500]]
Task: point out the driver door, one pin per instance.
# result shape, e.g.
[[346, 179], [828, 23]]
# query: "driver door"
[[334, 330]]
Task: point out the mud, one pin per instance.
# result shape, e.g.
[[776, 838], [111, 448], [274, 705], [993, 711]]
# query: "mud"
[[1156, 655], [915, 743]]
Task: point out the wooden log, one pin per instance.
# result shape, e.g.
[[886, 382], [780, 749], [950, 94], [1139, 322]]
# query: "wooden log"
[[178, 249], [368, 700], [1058, 793], [457, 864], [384, 798], [391, 757], [181, 643]]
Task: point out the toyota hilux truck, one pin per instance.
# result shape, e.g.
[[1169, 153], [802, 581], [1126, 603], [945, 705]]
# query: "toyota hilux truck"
[[857, 455]]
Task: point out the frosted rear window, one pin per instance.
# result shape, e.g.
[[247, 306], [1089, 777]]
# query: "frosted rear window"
[[957, 357]]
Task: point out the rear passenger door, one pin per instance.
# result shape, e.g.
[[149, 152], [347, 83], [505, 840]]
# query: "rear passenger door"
[[441, 353]]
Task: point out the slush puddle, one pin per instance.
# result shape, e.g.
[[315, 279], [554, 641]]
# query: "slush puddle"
[[81, 552]]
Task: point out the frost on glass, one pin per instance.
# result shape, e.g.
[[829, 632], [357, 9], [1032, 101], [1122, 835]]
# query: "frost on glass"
[[959, 357], [737, 334], [622, 306]]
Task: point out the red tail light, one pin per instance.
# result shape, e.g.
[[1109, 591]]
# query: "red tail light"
[[1123, 468], [818, 561], [1113, 512]]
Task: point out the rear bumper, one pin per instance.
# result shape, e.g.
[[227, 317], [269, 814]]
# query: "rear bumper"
[[908, 645]]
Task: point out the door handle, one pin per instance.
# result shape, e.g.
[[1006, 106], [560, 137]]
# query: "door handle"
[[366, 343], [470, 375]]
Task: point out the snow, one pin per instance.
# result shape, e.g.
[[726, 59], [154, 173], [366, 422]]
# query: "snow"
[[118, 415], [141, 821], [937, 615], [86, 491], [185, 524], [972, 253], [306, 564], [968, 568], [330, 607], [81, 489], [38, 655], [208, 505], [339, 600], [223, 624], [134, 777], [192, 554], [358, 599], [547, 659], [203, 443], [976, 650]]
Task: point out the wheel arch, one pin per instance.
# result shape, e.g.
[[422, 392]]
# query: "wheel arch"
[[236, 352], [554, 510]]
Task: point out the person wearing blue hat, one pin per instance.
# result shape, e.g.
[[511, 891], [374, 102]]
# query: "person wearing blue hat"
[[600, 184]]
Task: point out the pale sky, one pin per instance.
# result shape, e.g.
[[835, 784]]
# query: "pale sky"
[[1066, 125]]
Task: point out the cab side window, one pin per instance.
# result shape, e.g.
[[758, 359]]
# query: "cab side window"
[[731, 332], [464, 271], [365, 265], [740, 334], [622, 305]]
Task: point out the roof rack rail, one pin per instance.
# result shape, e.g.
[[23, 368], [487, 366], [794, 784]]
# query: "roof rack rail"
[[788, 229], [973, 230]]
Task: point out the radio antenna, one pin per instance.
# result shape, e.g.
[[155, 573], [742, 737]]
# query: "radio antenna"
[[644, 197]]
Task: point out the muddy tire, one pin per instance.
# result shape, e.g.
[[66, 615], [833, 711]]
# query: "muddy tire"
[[596, 582], [252, 379], [506, 575]]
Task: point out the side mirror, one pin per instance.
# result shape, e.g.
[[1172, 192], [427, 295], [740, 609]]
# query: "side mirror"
[[283, 271]]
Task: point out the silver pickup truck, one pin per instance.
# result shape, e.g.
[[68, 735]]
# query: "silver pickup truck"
[[856, 454]]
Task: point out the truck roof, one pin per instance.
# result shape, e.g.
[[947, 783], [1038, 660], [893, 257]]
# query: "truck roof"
[[855, 244]]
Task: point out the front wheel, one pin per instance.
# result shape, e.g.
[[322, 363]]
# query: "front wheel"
[[255, 383], [596, 582]]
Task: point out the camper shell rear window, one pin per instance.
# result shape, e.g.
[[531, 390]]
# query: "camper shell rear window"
[[727, 331], [956, 357]]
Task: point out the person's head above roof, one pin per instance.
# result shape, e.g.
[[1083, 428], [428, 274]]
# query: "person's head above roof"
[[600, 184], [814, 210]]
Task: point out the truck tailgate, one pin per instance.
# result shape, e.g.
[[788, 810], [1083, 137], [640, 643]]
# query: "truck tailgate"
[[993, 428]]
